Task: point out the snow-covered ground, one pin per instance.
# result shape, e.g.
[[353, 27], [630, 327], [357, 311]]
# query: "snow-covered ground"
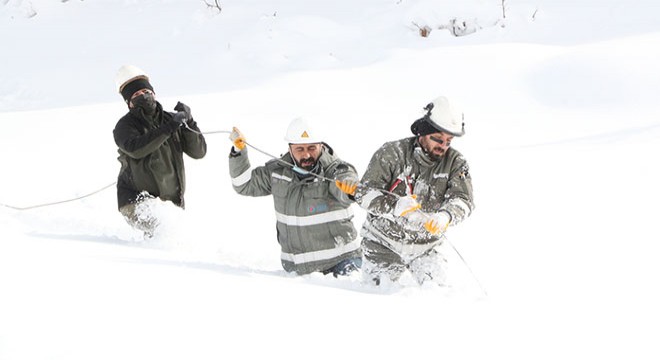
[[562, 122]]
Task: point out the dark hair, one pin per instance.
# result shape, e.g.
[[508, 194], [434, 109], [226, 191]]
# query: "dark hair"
[[423, 127]]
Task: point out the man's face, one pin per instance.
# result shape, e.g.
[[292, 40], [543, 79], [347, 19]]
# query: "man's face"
[[306, 155], [436, 144], [137, 94]]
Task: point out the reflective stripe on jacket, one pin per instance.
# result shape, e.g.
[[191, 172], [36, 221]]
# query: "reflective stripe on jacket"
[[314, 220]]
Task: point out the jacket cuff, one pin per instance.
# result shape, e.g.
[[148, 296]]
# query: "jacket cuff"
[[233, 153]]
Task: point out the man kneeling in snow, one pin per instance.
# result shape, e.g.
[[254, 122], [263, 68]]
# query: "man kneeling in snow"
[[413, 189]]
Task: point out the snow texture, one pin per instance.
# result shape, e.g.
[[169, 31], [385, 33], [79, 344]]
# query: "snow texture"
[[562, 131]]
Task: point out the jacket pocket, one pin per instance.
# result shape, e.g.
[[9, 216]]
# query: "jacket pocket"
[[280, 188]]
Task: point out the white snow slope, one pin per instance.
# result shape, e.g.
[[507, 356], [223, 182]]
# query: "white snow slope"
[[563, 127]]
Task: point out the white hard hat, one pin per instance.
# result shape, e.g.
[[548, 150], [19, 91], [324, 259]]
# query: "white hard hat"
[[128, 73], [299, 132], [440, 116], [130, 79]]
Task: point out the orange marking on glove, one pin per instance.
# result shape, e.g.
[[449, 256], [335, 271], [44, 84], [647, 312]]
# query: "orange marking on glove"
[[346, 187], [414, 208], [434, 228]]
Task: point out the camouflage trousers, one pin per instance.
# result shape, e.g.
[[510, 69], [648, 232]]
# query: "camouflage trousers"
[[381, 263]]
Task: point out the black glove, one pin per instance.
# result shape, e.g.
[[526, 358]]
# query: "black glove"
[[180, 118], [183, 107], [173, 124]]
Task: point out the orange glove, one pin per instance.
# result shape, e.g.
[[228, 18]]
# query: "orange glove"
[[347, 186], [237, 138], [437, 223], [406, 205]]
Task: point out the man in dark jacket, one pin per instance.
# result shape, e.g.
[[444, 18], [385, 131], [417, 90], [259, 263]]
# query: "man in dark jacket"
[[314, 219], [151, 145], [413, 189]]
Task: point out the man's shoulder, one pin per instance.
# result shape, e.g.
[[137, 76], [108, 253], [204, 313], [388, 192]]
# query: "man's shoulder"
[[331, 160], [397, 146], [455, 159], [454, 154], [126, 117], [284, 161], [125, 122]]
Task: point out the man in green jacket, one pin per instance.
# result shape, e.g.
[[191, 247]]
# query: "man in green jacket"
[[413, 189], [151, 144], [314, 221]]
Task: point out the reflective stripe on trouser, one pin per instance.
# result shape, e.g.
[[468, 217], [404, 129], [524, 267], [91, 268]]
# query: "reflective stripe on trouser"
[[321, 255]]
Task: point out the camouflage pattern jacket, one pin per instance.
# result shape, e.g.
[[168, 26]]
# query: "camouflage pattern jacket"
[[403, 168]]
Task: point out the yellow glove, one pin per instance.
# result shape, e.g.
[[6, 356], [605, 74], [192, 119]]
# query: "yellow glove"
[[347, 186], [406, 205], [237, 138], [437, 223]]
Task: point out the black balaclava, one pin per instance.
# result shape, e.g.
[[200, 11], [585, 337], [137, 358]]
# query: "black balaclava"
[[145, 103], [132, 87]]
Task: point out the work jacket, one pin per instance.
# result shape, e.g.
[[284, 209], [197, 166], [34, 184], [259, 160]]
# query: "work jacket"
[[403, 168], [151, 156], [314, 219]]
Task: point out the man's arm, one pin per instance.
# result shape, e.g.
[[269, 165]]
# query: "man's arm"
[[459, 198], [376, 178], [136, 145], [245, 180]]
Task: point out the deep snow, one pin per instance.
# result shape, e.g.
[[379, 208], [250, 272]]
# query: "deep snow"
[[562, 129]]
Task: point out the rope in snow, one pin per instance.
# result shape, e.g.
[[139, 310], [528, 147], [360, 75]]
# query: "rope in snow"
[[444, 236], [295, 167], [58, 202], [21, 208]]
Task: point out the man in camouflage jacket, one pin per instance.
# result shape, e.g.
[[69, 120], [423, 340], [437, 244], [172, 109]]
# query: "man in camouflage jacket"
[[413, 189]]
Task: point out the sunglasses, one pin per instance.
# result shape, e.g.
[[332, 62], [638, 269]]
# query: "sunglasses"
[[438, 140]]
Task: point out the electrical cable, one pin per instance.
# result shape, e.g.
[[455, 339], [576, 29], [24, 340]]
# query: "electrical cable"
[[58, 202], [293, 166], [297, 169]]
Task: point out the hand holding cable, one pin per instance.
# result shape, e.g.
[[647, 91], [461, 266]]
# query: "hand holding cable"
[[171, 125], [437, 223], [347, 186], [237, 138], [186, 119], [183, 108], [406, 205]]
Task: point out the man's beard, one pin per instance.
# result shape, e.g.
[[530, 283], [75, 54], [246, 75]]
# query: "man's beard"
[[436, 153], [307, 163]]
